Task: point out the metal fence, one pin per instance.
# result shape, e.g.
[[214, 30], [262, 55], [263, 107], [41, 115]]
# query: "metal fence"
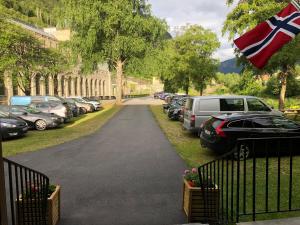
[[259, 178], [26, 194]]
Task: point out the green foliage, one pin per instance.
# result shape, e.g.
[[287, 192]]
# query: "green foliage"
[[273, 86], [228, 80], [111, 30], [38, 12], [187, 59], [248, 85], [24, 56], [245, 16]]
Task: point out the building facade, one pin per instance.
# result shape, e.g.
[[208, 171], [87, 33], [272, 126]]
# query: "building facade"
[[70, 83]]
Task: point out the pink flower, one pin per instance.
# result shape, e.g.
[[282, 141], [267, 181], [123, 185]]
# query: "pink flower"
[[186, 172], [194, 170]]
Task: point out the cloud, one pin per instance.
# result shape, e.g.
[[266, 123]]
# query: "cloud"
[[209, 14]]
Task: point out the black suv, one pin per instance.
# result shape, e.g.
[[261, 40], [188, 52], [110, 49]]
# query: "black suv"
[[220, 133]]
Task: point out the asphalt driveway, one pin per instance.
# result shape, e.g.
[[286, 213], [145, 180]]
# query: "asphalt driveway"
[[127, 173]]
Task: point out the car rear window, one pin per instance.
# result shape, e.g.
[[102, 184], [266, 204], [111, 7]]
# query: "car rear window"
[[212, 124], [237, 124], [232, 104]]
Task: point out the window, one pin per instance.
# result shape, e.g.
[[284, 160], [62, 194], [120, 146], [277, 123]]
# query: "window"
[[189, 104], [257, 105], [236, 124], [232, 104], [284, 123], [209, 105], [263, 123], [248, 124]]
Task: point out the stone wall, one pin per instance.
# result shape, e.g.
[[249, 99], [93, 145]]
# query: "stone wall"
[[63, 85]]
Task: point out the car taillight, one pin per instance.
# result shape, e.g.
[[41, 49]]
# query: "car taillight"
[[193, 120], [219, 130]]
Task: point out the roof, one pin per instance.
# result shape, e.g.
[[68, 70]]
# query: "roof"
[[234, 116], [222, 96], [32, 29]]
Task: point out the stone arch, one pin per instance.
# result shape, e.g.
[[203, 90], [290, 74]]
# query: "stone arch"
[[79, 86], [55, 84], [69, 91], [62, 85], [91, 87], [103, 88]]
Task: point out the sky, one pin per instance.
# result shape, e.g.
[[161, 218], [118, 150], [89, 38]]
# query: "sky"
[[210, 14]]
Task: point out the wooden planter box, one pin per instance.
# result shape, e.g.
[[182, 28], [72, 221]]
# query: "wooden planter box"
[[53, 210], [194, 203]]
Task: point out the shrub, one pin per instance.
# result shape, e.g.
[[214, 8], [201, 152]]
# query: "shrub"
[[273, 86], [248, 85]]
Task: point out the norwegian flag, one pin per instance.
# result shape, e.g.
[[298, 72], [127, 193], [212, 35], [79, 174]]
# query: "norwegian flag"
[[259, 44]]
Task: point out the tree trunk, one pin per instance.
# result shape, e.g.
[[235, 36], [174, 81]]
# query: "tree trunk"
[[119, 79], [187, 89], [201, 91], [283, 79]]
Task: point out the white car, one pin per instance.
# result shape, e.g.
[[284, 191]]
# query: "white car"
[[96, 105]]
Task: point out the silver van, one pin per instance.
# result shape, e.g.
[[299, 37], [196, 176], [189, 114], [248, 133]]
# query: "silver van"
[[199, 109]]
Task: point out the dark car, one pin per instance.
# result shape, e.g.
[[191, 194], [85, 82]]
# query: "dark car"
[[175, 110], [220, 133], [34, 118], [12, 127]]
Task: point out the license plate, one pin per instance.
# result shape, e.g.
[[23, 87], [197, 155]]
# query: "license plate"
[[207, 132]]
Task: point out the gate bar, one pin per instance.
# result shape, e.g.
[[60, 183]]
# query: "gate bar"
[[3, 206]]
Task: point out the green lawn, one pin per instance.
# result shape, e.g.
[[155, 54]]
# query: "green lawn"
[[80, 126], [186, 144], [189, 149]]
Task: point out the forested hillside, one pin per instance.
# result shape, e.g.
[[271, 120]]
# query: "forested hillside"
[[38, 12]]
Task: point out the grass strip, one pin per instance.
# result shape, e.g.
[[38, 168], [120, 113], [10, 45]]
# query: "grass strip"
[[80, 126]]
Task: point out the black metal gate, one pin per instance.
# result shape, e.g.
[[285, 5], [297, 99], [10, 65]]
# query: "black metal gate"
[[264, 184], [26, 194]]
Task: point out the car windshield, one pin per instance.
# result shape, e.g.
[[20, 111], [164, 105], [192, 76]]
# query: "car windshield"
[[79, 100]]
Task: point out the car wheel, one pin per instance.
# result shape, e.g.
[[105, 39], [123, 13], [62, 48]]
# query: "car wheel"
[[40, 125], [244, 151]]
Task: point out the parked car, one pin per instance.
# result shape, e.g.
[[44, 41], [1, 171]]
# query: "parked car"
[[83, 104], [199, 109], [174, 111], [12, 127], [33, 117], [96, 104], [157, 94], [220, 133], [52, 105]]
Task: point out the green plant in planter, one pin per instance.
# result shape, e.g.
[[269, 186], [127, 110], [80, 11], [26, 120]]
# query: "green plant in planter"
[[34, 192], [193, 178]]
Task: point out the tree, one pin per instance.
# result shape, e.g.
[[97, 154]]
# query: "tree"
[[191, 56], [248, 14], [116, 31], [23, 56]]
